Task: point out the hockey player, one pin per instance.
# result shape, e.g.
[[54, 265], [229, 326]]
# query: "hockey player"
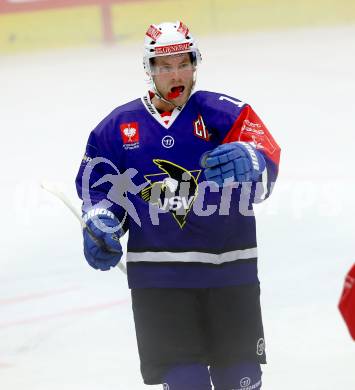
[[180, 170], [347, 301]]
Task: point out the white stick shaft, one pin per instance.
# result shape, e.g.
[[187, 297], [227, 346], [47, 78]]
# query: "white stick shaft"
[[60, 195]]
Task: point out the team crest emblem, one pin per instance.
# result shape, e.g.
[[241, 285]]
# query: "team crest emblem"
[[200, 129], [173, 190], [130, 135]]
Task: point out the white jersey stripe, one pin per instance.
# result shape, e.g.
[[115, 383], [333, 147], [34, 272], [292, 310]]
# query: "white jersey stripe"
[[192, 257], [264, 181]]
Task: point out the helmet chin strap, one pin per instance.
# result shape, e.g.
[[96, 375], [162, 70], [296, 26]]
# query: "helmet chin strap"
[[160, 96]]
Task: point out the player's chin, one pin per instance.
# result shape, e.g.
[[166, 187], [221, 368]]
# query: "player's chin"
[[181, 100]]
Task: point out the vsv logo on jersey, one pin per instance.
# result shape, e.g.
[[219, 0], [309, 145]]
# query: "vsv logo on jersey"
[[130, 135], [200, 128], [174, 191]]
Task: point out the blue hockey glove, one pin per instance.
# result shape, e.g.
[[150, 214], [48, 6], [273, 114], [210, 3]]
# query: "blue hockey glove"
[[102, 248], [237, 161]]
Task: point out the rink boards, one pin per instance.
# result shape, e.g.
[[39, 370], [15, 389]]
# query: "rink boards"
[[39, 24]]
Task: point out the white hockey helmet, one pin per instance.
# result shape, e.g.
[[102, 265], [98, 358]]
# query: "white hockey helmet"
[[167, 39]]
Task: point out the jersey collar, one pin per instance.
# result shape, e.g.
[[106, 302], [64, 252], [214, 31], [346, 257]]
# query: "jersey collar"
[[147, 102]]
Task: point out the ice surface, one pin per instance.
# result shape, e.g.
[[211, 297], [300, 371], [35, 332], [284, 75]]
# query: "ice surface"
[[66, 326]]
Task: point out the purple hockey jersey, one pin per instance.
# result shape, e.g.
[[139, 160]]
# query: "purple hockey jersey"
[[183, 231]]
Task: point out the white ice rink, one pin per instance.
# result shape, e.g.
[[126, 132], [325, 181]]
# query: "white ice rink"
[[65, 326]]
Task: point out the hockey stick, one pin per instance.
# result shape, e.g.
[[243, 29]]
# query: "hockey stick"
[[54, 190]]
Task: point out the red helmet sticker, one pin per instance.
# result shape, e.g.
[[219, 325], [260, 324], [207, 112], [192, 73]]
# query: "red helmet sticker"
[[183, 29], [153, 32]]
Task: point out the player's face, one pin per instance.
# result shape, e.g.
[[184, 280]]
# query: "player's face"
[[173, 77]]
